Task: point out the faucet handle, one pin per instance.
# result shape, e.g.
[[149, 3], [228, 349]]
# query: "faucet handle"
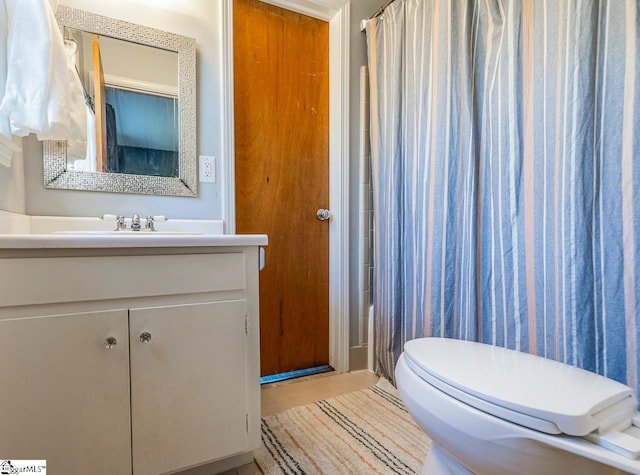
[[151, 220], [119, 219], [120, 223]]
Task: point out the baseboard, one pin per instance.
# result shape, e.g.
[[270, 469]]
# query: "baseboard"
[[220, 466]]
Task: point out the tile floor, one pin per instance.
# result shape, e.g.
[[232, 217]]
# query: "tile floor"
[[277, 397]]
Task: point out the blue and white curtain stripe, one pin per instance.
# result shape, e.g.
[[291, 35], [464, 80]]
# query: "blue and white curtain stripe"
[[506, 175]]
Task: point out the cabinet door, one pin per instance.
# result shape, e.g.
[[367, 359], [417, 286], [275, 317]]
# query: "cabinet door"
[[64, 396], [188, 384]]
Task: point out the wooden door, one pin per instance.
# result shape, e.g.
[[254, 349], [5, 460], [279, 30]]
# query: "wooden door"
[[281, 72], [100, 103]]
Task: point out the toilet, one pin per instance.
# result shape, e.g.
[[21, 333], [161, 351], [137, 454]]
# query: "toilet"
[[491, 411]]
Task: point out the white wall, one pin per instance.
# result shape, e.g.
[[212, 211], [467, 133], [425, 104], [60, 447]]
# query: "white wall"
[[201, 19]]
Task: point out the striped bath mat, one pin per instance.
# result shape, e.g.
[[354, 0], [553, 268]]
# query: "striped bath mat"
[[367, 431]]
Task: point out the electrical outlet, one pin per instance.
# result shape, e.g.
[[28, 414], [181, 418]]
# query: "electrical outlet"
[[207, 169]]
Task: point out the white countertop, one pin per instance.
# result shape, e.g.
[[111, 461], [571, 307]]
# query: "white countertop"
[[127, 240], [71, 232]]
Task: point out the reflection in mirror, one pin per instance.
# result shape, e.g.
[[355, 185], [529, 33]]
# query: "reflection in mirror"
[[126, 86], [138, 87]]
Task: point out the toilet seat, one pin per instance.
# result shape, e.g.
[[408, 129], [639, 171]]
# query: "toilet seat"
[[530, 391]]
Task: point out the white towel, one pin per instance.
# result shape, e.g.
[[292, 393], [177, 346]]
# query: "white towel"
[[39, 82]]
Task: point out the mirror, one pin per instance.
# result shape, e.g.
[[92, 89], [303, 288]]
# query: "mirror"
[[138, 88], [125, 86]]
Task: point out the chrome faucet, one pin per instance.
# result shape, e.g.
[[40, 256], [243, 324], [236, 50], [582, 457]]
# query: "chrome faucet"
[[135, 222], [121, 222]]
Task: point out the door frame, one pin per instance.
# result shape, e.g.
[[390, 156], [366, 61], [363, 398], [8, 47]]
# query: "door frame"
[[338, 19]]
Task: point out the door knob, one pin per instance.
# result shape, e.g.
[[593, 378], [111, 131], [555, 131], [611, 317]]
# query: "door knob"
[[323, 214], [145, 337], [110, 342]]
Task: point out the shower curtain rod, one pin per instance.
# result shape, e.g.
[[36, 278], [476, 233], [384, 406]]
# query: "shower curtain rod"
[[381, 9]]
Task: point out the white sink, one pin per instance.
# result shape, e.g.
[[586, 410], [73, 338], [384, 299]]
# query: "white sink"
[[128, 233]]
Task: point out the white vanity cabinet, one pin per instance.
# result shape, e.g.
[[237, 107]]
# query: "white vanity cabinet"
[[148, 368], [188, 393], [64, 397]]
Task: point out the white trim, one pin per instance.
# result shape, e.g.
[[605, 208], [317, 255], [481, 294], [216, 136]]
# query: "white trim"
[[339, 190], [145, 87], [228, 133], [338, 169], [321, 9]]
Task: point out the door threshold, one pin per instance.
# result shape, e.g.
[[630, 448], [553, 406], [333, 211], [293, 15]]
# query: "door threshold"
[[274, 378]]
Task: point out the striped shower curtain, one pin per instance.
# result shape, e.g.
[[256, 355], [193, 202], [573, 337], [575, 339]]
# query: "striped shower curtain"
[[506, 175]]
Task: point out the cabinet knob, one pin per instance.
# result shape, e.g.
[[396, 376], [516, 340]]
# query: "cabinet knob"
[[110, 342], [145, 337]]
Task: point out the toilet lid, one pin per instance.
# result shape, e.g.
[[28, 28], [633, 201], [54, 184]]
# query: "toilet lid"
[[536, 392]]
